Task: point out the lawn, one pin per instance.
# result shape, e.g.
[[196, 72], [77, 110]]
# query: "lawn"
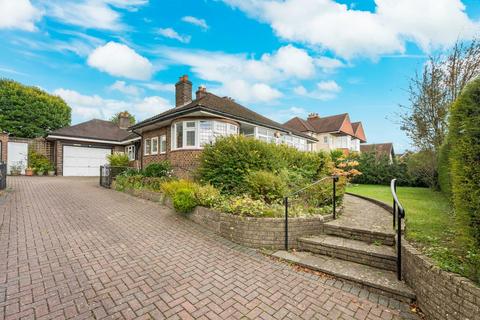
[[432, 227]]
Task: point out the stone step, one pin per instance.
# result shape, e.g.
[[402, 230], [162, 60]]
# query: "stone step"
[[365, 235], [379, 256], [382, 281]]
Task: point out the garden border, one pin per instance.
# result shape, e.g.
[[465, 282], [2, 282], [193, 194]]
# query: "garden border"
[[440, 294]]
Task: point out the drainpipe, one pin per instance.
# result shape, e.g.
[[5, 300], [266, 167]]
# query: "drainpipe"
[[141, 148]]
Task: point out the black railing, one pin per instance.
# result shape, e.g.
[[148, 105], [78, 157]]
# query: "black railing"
[[287, 203], [398, 214], [3, 176], [108, 174]]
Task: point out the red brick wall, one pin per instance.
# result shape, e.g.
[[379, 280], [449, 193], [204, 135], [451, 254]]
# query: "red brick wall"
[[4, 143]]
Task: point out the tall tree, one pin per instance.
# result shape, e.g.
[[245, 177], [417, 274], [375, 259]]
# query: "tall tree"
[[30, 112], [432, 92]]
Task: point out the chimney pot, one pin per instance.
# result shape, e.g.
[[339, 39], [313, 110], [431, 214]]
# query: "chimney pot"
[[201, 92], [313, 115], [183, 91]]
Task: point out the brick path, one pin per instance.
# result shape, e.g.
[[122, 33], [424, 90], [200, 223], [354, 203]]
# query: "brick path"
[[69, 249]]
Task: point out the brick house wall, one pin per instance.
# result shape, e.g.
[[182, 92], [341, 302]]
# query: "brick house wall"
[[4, 144]]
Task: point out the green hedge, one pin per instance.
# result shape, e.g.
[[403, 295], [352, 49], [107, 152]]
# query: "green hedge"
[[444, 177], [464, 138], [227, 163]]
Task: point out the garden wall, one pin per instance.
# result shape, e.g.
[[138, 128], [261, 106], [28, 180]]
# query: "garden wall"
[[248, 231], [440, 294]]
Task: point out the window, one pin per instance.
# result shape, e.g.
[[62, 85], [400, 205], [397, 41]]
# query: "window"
[[325, 139], [163, 143], [196, 134], [154, 147], [148, 147], [265, 134], [130, 151], [296, 142]]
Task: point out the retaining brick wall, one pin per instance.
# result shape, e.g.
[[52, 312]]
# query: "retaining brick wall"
[[440, 294]]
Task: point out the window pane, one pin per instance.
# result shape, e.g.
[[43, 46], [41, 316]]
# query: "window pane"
[[163, 143], [155, 145], [190, 138], [206, 132], [148, 146], [179, 132], [190, 124]]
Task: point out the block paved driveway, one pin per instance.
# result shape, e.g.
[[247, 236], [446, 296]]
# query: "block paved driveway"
[[70, 249]]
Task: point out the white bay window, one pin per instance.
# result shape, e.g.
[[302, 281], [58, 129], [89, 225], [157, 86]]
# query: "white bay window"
[[130, 151], [197, 133]]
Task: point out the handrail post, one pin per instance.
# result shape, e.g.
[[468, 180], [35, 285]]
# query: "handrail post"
[[286, 223], [399, 244], [394, 204], [334, 196]]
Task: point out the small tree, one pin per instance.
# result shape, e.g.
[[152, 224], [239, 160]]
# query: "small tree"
[[116, 118]]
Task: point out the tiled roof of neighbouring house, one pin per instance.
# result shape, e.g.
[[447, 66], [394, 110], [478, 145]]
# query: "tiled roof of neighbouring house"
[[299, 125], [95, 129], [221, 106], [378, 148], [358, 131]]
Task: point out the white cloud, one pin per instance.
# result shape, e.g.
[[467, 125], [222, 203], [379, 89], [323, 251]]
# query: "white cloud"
[[123, 87], [120, 60], [196, 21], [349, 32], [18, 14], [85, 107], [328, 65], [241, 76], [92, 14], [324, 90], [282, 115], [172, 34], [158, 86]]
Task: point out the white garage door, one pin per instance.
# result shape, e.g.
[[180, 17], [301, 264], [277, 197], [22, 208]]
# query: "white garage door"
[[83, 161], [17, 153]]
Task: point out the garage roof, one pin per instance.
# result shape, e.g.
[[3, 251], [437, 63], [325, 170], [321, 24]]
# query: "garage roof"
[[95, 129]]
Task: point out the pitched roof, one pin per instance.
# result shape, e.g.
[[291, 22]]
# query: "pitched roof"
[[358, 131], [336, 123], [95, 129], [299, 125], [379, 148], [221, 106]]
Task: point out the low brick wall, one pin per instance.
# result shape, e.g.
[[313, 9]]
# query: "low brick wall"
[[248, 231], [440, 294]]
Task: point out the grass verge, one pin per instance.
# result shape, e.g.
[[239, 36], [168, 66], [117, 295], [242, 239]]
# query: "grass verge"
[[433, 227]]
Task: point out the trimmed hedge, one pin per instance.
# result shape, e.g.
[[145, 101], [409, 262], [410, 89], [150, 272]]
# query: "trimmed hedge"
[[444, 176], [464, 138]]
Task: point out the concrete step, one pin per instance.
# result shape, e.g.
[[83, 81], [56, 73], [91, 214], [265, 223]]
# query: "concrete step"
[[379, 256], [360, 234], [382, 281]]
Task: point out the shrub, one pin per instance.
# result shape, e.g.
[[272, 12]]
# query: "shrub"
[[464, 137], [171, 187], [227, 163], [158, 169], [208, 196], [38, 162], [246, 206], [184, 200], [137, 182], [118, 159], [265, 185], [444, 177], [423, 166]]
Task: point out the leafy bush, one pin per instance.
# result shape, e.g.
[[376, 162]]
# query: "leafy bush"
[[266, 186], [464, 137], [423, 166], [39, 162], [444, 177], [171, 187], [158, 169], [184, 200], [118, 159], [136, 182], [246, 206], [208, 196], [227, 163]]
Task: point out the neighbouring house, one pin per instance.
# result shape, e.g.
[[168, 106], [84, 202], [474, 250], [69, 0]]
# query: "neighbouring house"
[[380, 150], [81, 149], [179, 134], [332, 132]]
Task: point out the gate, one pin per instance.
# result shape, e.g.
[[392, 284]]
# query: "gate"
[[3, 176], [108, 174]]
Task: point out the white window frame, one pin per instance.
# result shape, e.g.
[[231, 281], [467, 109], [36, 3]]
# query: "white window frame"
[[147, 142], [130, 150], [163, 139], [154, 142], [229, 131]]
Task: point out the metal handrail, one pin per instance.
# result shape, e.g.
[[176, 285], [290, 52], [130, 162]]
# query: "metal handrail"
[[334, 195], [398, 214]]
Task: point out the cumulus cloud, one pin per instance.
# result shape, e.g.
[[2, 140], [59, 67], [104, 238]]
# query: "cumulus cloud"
[[98, 14], [324, 90], [123, 87], [159, 86], [18, 14], [196, 21], [329, 86], [282, 115], [120, 60], [242, 76], [349, 32], [86, 107], [172, 34]]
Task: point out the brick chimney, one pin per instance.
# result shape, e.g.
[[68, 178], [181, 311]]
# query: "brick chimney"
[[124, 120], [201, 92], [183, 91], [313, 115]]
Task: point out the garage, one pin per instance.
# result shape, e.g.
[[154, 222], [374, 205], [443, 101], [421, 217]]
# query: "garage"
[[84, 161]]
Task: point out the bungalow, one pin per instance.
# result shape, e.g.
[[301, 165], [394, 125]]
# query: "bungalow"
[[179, 134], [333, 132]]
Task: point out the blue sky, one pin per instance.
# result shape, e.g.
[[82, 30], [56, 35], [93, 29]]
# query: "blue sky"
[[280, 58]]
